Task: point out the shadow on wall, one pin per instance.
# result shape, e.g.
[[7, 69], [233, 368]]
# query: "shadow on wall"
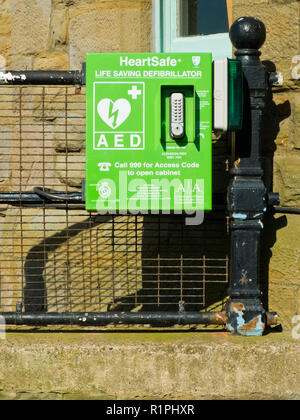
[[273, 116], [180, 264], [35, 290], [147, 269]]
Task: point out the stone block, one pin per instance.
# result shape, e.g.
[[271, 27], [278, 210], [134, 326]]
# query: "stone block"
[[54, 106], [295, 104], [287, 175], [109, 30], [59, 25], [5, 24], [51, 61], [5, 7], [283, 300], [22, 62], [284, 267], [6, 138], [5, 50], [276, 123], [70, 169], [295, 136], [30, 26], [295, 122], [71, 139]]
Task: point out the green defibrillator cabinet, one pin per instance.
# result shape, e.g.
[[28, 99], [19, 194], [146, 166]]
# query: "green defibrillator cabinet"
[[149, 132]]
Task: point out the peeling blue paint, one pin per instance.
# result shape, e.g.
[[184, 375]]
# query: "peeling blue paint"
[[256, 331], [242, 216], [239, 322]]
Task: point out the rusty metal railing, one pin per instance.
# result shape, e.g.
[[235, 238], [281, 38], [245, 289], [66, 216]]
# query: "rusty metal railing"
[[56, 258]]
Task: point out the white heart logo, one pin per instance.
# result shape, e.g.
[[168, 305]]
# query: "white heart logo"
[[114, 113]]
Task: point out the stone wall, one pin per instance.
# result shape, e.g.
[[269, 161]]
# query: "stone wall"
[[281, 246], [56, 34]]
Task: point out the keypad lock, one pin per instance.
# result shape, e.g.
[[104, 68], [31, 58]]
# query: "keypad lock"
[[177, 116]]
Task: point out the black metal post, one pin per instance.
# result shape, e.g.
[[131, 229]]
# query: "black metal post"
[[247, 194]]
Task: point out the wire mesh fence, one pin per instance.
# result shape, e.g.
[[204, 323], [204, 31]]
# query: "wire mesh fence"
[[66, 259]]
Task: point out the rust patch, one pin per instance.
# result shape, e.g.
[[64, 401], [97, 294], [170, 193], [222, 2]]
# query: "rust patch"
[[237, 162], [244, 279], [77, 90], [239, 306], [251, 325], [220, 318]]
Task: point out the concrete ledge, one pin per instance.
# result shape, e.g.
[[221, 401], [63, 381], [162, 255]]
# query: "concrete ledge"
[[147, 365]]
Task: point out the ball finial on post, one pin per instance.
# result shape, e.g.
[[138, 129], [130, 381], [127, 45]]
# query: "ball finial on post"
[[248, 33]]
